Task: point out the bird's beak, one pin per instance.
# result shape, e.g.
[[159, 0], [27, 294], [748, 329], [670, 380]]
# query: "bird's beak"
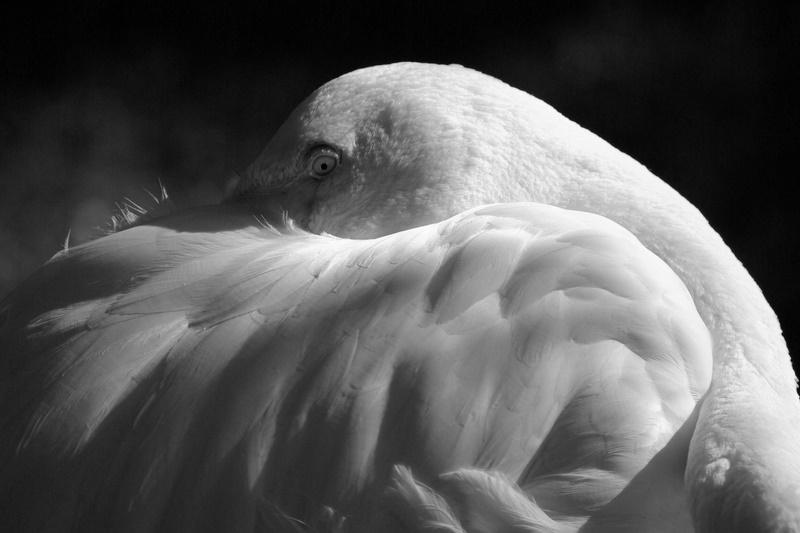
[[294, 200]]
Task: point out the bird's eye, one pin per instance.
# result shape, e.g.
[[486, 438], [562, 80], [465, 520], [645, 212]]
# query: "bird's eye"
[[324, 160]]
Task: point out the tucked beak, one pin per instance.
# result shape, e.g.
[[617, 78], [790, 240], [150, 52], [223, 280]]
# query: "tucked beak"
[[294, 200]]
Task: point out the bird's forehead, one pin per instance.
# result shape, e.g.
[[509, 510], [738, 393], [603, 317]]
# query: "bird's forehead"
[[408, 90], [416, 104], [420, 97], [343, 105]]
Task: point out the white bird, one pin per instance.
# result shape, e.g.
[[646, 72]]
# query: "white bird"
[[434, 303]]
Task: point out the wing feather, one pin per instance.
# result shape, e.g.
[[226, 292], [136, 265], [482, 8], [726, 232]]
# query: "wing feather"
[[205, 369]]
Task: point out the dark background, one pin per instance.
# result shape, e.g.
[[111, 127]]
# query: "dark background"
[[99, 100]]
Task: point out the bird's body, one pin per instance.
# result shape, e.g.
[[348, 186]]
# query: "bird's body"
[[399, 357]]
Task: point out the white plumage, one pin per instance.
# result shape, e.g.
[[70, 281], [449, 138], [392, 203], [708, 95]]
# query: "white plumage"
[[408, 353]]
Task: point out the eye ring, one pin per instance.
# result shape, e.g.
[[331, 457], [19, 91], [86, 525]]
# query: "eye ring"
[[322, 161]]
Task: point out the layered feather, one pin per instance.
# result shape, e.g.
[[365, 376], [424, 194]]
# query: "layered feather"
[[227, 375]]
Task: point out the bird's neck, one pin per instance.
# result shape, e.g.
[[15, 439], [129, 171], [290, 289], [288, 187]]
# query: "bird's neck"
[[743, 470], [748, 431]]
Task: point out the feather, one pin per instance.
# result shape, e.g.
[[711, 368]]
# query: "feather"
[[285, 366]]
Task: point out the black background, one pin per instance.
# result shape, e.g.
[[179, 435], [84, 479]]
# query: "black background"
[[99, 100]]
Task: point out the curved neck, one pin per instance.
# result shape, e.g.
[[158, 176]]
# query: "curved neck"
[[743, 471]]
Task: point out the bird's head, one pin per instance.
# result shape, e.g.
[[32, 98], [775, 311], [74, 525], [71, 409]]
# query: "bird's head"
[[392, 147]]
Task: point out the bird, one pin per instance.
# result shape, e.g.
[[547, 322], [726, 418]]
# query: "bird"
[[431, 303]]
